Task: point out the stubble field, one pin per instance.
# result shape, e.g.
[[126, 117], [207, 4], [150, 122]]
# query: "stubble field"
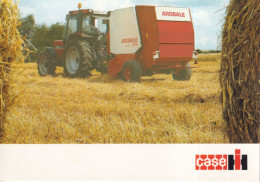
[[101, 109]]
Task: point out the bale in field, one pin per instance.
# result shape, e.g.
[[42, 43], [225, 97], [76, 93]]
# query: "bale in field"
[[239, 75], [10, 46]]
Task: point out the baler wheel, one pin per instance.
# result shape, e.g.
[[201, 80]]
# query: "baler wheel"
[[78, 58], [183, 74], [46, 64], [132, 71]]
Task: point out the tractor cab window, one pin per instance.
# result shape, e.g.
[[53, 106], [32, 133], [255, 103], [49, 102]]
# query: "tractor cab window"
[[72, 25], [89, 24], [102, 25], [92, 24]]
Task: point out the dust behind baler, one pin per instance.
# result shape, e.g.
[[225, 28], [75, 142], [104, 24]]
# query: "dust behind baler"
[[128, 43]]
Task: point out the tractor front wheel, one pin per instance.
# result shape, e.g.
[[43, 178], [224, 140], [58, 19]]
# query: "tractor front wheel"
[[182, 74], [46, 64], [132, 71]]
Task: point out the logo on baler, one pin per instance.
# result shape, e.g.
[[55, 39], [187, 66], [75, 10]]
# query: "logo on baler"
[[173, 14], [130, 41], [169, 13]]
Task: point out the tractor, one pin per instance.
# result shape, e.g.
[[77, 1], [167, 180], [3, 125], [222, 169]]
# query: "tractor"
[[83, 48], [126, 43]]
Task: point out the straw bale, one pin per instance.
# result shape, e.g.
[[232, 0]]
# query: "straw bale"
[[10, 46], [239, 75]]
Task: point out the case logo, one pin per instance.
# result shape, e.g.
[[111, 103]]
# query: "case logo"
[[221, 161]]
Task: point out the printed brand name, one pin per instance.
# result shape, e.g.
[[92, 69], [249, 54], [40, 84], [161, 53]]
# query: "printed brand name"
[[221, 161], [167, 13], [129, 40]]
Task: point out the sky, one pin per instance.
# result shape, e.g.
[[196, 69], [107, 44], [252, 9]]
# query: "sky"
[[207, 15]]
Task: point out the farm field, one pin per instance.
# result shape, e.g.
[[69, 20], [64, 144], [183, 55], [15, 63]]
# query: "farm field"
[[102, 109]]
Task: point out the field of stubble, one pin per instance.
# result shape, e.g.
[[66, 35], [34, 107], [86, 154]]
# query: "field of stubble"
[[101, 109]]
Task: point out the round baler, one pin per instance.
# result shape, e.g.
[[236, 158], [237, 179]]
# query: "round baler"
[[153, 39]]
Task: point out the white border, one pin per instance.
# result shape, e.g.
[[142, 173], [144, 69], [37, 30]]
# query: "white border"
[[119, 162]]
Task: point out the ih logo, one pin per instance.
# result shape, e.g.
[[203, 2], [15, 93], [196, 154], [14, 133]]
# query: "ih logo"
[[221, 161]]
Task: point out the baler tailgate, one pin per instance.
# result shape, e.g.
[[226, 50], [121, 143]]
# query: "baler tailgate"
[[176, 32], [176, 39]]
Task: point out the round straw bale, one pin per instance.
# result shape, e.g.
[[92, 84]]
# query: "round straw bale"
[[239, 74], [10, 46]]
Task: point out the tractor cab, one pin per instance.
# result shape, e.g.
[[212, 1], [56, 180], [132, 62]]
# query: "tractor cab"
[[86, 23]]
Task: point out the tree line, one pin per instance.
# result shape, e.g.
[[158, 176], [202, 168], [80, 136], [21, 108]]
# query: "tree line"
[[39, 36], [207, 51]]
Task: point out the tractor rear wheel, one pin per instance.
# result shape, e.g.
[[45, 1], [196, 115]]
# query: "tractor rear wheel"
[[46, 64], [78, 58], [132, 71], [183, 74]]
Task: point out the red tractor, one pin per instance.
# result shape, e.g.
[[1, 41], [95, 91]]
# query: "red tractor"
[[83, 47], [128, 43]]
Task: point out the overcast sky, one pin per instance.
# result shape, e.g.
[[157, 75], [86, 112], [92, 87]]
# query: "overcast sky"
[[207, 14]]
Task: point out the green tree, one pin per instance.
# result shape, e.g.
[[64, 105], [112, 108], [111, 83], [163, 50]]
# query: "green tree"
[[27, 26], [55, 32], [44, 36], [40, 36], [199, 51]]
